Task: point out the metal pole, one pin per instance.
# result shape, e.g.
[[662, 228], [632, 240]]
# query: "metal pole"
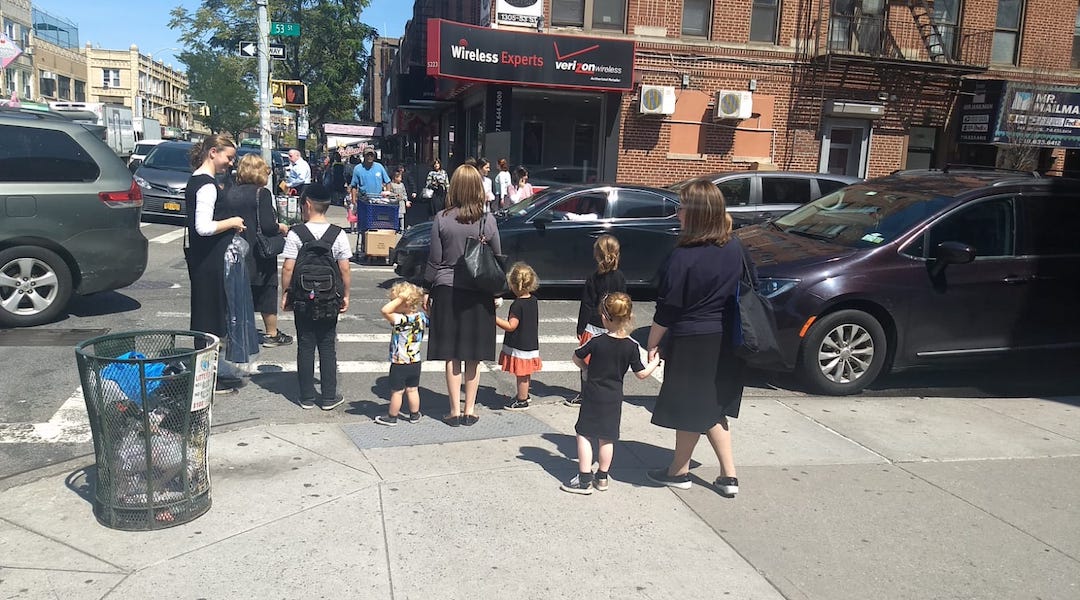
[[264, 88]]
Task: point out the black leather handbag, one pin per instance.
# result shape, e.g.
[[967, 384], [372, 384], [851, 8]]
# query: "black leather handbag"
[[758, 345], [484, 268], [266, 247]]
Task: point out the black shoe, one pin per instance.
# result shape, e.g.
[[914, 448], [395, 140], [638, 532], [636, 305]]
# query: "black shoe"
[[676, 481], [386, 420], [307, 403], [601, 482], [727, 486], [412, 417], [577, 486], [273, 341], [332, 404], [573, 402], [452, 421], [469, 420], [517, 404]]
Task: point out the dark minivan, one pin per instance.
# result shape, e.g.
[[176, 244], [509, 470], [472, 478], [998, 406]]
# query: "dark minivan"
[[920, 266]]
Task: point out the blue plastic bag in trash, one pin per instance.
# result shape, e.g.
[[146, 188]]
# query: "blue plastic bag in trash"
[[126, 375]]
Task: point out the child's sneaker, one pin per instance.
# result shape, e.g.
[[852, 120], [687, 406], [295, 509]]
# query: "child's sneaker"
[[411, 417], [517, 404], [727, 486], [386, 420], [577, 486], [601, 482], [574, 402], [676, 481]]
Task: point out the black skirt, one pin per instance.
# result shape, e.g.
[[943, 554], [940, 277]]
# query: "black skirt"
[[703, 383], [462, 325]]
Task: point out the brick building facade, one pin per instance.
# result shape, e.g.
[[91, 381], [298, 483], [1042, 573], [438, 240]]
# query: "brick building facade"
[[861, 87]]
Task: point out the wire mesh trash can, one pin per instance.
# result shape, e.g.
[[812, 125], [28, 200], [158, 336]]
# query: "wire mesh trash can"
[[148, 396]]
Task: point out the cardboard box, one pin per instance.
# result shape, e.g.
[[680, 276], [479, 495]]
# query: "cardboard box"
[[379, 242]]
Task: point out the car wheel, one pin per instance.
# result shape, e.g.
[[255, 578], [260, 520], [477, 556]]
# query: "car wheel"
[[843, 353], [35, 286]]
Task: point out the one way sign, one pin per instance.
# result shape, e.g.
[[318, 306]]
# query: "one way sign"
[[251, 50]]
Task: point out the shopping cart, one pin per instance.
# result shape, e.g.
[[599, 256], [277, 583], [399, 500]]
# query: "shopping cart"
[[380, 219]]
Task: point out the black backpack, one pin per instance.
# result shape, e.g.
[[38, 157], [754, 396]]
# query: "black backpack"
[[316, 290]]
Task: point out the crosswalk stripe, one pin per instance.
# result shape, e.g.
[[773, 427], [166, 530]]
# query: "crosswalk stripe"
[[384, 338], [381, 366], [288, 316], [68, 425], [167, 238]]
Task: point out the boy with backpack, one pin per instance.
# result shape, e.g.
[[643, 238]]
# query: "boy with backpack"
[[315, 279]]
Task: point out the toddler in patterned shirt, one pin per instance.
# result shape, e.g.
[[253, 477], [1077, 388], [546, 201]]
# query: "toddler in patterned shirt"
[[409, 322]]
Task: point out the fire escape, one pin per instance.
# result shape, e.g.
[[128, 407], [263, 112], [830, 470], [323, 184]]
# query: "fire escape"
[[881, 51]]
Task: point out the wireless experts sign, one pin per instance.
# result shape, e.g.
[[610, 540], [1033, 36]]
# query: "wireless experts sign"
[[471, 53]]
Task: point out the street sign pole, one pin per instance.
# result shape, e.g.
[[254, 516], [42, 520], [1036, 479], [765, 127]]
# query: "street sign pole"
[[264, 88]]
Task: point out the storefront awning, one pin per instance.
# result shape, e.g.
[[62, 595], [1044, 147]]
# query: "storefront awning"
[[1009, 112], [470, 53]]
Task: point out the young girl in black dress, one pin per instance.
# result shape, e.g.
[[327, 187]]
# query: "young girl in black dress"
[[606, 279], [521, 346], [609, 355]]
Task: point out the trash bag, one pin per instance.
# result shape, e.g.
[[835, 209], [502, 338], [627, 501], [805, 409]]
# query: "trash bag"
[[126, 376], [241, 336]]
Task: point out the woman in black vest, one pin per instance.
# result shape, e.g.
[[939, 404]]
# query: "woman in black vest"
[[210, 229]]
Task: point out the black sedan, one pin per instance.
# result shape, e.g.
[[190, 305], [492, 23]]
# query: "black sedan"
[[554, 232]]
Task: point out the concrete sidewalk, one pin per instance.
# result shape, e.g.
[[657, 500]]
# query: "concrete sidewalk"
[[841, 498]]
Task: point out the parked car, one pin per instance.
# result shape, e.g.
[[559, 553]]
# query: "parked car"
[[542, 178], [164, 174], [142, 148], [919, 267], [757, 196], [69, 217], [554, 231]]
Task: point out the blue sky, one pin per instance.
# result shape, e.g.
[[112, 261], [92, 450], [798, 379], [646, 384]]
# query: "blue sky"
[[117, 24]]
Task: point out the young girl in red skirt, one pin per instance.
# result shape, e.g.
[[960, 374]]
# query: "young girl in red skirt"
[[521, 345]]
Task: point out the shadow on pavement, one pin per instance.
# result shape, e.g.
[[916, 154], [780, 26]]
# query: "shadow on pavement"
[[82, 481], [104, 303]]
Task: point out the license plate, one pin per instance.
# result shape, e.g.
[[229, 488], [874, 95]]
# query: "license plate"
[[174, 206]]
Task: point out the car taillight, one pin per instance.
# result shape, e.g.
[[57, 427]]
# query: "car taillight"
[[126, 199]]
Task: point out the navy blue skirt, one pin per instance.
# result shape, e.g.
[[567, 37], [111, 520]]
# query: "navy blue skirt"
[[462, 325], [703, 383]]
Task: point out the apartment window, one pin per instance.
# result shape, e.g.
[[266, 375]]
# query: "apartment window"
[[9, 80], [63, 86], [1007, 32], [763, 17], [27, 85], [1076, 43], [695, 17], [609, 14], [947, 20], [80, 91], [9, 29], [568, 12], [47, 86], [599, 14], [110, 78]]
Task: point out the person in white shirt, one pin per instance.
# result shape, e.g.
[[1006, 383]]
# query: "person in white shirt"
[[484, 167], [298, 175], [503, 182]]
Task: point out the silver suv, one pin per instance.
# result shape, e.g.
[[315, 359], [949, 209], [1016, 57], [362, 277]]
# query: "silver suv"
[[69, 217]]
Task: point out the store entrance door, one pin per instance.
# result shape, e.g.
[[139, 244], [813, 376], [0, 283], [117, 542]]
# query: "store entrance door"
[[845, 148]]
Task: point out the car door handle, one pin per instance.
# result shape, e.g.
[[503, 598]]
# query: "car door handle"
[[1016, 279]]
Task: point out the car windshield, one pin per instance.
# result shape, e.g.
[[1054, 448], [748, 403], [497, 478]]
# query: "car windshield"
[[526, 205], [143, 149], [862, 216], [169, 158], [679, 185]]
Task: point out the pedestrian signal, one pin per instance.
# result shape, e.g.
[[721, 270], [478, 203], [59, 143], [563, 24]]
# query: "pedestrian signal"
[[295, 94]]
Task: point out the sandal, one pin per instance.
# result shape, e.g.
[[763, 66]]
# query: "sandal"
[[452, 421], [469, 420]]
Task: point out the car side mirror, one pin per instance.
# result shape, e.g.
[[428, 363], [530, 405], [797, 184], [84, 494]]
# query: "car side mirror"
[[541, 221], [950, 253]]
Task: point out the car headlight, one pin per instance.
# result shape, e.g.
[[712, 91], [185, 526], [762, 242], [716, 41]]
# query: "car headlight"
[[772, 287], [142, 182]]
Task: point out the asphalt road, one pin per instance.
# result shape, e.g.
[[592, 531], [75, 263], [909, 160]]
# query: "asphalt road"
[[39, 373]]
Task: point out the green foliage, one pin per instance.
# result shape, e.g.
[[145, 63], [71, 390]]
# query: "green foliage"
[[329, 56], [224, 83]]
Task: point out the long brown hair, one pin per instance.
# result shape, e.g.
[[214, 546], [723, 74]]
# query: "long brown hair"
[[606, 252], [198, 153], [705, 218], [466, 194]]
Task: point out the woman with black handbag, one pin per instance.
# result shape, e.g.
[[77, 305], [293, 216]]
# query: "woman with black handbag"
[[697, 317], [255, 204], [462, 315]]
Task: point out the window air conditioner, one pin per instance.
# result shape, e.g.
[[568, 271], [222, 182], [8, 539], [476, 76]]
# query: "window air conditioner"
[[657, 100], [732, 104]]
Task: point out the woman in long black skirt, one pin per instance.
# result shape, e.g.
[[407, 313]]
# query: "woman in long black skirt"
[[462, 319], [697, 309]]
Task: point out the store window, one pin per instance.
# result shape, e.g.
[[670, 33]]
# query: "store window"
[[110, 78], [1007, 32], [695, 17], [598, 14], [763, 18], [1076, 43], [920, 151]]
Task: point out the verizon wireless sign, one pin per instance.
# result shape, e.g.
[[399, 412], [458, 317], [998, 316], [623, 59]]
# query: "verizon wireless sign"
[[471, 53]]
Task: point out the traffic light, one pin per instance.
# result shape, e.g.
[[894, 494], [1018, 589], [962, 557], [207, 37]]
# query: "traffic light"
[[295, 94], [204, 110]]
